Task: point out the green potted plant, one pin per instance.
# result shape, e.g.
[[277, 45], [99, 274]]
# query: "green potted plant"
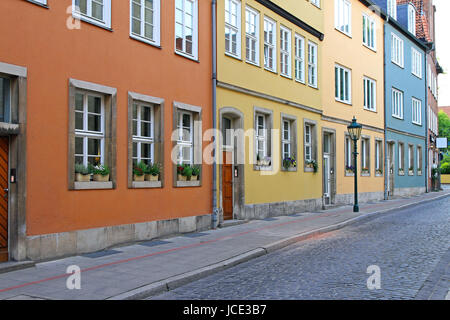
[[187, 172], [401, 171], [152, 173], [180, 176], [312, 164], [411, 170], [195, 173], [101, 173], [379, 172], [258, 160], [365, 170], [82, 173], [139, 171]]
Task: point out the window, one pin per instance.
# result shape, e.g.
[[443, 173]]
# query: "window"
[[312, 64], [233, 27], [261, 136], [397, 104], [44, 2], [349, 149], [186, 28], [94, 11], [378, 157], [369, 32], [285, 51], [343, 16], [365, 156], [145, 20], [316, 3], [299, 58], [392, 8], [416, 58], [397, 50], [419, 160], [309, 142], [185, 143], [411, 19], [370, 94], [270, 50], [342, 84], [252, 35], [411, 159], [416, 111], [401, 158], [143, 133], [5, 100], [89, 129], [226, 132], [286, 139]]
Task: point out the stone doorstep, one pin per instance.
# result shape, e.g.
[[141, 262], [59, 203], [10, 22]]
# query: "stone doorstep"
[[14, 266], [231, 223]]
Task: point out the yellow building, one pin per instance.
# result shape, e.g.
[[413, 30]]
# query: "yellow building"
[[269, 107], [353, 85]]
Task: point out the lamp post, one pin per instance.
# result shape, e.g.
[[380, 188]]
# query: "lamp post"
[[354, 129]]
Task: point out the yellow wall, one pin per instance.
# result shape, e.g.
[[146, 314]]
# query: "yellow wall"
[[282, 186], [362, 61], [304, 10], [445, 178], [243, 74]]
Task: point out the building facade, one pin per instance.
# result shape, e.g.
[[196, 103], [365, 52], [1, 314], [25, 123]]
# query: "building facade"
[[406, 98], [102, 84], [269, 106], [353, 67]]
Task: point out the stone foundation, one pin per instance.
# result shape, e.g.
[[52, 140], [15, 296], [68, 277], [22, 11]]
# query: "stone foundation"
[[348, 199], [406, 192], [56, 245]]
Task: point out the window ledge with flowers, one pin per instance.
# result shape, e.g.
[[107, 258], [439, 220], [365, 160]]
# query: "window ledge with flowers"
[[311, 166], [92, 177], [349, 171], [365, 172], [289, 164], [411, 171], [188, 176], [401, 172], [378, 173], [146, 176], [264, 164]]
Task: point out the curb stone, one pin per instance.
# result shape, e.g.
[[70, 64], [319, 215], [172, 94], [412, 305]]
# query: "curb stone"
[[171, 283]]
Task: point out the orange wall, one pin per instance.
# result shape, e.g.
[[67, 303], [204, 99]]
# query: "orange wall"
[[37, 38]]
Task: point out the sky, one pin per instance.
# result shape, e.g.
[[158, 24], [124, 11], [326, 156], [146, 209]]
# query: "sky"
[[443, 49]]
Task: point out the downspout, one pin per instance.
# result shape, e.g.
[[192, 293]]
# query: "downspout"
[[385, 119], [426, 124], [214, 218]]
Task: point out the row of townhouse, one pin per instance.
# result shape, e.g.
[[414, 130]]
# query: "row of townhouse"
[[118, 83]]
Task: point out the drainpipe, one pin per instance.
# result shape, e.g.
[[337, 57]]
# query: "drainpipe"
[[426, 124], [214, 218], [385, 119]]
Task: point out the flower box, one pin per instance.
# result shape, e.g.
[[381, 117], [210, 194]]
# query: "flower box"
[[150, 177], [138, 178], [194, 178], [101, 178], [182, 178], [82, 177]]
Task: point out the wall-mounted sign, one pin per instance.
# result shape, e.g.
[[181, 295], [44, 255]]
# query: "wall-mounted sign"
[[441, 143]]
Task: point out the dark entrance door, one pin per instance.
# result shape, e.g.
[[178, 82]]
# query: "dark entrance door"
[[4, 158], [227, 188]]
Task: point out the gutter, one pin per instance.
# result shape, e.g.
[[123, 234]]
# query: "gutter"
[[214, 217], [426, 122], [386, 196]]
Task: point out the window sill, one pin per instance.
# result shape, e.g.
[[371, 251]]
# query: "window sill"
[[186, 184], [271, 70], [289, 77], [307, 169], [146, 184], [410, 173], [417, 76], [370, 48], [313, 86], [262, 168], [344, 33], [396, 117], [39, 4], [378, 175], [187, 56], [228, 54], [146, 41], [398, 65], [349, 174], [290, 169], [367, 109], [343, 102], [417, 124], [253, 63], [365, 174], [401, 173], [91, 21], [93, 185]]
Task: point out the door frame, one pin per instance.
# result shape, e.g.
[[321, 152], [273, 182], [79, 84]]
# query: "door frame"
[[238, 156], [332, 162], [390, 176]]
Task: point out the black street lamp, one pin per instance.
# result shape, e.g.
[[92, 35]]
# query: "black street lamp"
[[354, 129]]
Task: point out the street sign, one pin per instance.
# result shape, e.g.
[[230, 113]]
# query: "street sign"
[[441, 143]]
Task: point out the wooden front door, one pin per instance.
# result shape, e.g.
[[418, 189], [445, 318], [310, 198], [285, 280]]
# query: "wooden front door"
[[4, 152], [227, 187]]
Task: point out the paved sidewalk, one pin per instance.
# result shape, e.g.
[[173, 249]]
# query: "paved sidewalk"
[[143, 269]]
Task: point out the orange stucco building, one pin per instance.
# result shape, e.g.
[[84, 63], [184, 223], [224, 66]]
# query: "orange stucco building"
[[103, 85]]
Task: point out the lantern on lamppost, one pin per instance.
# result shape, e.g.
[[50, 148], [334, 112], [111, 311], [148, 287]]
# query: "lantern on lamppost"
[[354, 130]]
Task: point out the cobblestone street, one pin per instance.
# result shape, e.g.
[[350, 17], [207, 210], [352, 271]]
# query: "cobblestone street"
[[409, 245]]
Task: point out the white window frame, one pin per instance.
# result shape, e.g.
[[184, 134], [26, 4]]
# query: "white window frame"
[[419, 159], [312, 64], [233, 28], [249, 37], [397, 103], [270, 45], [139, 139], [349, 148], [308, 134], [316, 3], [365, 153], [369, 32], [261, 137], [285, 52], [370, 94], [87, 17], [378, 152], [156, 23], [185, 143], [397, 50], [416, 106], [392, 8], [401, 159], [416, 63], [411, 19], [286, 141], [343, 16], [339, 84], [183, 52], [299, 58], [40, 2], [86, 134]]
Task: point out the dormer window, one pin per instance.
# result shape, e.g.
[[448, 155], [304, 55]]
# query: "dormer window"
[[392, 8], [411, 19]]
